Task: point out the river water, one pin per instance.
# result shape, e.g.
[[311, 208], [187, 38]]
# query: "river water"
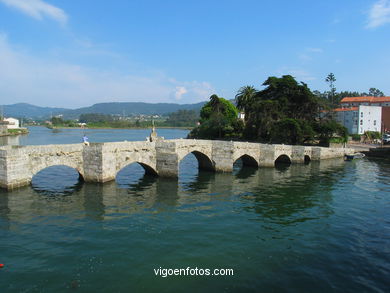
[[321, 227]]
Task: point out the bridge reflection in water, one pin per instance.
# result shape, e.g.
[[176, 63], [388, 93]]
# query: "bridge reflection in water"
[[275, 194]]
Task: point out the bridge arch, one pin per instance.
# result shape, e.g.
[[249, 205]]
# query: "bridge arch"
[[39, 168], [247, 160], [283, 159], [57, 179], [204, 161], [149, 170], [307, 159]]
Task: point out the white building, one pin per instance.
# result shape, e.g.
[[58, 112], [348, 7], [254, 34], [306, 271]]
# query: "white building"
[[360, 119], [12, 123]]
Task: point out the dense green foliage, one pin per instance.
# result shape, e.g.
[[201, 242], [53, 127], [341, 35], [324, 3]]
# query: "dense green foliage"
[[285, 111], [372, 135], [218, 119], [244, 97], [59, 122], [17, 131], [328, 129], [356, 137]]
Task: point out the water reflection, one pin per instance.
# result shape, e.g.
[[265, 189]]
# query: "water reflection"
[[57, 181], [134, 179], [93, 203], [4, 211], [295, 194]]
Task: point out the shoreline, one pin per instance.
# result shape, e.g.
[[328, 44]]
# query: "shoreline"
[[158, 127]]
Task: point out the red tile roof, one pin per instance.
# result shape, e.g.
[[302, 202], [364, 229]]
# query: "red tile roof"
[[346, 109], [365, 99]]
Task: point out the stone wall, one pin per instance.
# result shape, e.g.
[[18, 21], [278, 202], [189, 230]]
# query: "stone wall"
[[100, 162]]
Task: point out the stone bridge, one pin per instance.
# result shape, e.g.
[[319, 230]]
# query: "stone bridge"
[[100, 162]]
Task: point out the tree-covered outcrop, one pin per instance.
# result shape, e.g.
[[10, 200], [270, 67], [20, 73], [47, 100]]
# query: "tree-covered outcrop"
[[285, 111]]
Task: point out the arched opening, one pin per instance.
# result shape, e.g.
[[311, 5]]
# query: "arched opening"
[[307, 159], [135, 175], [57, 180], [283, 160], [245, 166], [193, 166], [204, 163]]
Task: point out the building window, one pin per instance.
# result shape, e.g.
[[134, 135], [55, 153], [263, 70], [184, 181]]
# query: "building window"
[[361, 122], [374, 122], [361, 114]]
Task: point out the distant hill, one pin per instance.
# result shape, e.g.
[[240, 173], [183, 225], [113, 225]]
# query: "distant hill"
[[36, 112], [132, 108], [30, 111]]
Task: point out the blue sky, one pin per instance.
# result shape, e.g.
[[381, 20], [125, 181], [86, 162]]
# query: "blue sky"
[[77, 53]]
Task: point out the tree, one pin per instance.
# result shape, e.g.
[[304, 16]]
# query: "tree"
[[375, 92], [327, 129], [287, 112], [218, 119], [283, 104], [331, 79], [57, 121], [244, 98], [218, 105]]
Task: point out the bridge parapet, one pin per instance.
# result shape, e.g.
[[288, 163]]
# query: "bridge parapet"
[[100, 162]]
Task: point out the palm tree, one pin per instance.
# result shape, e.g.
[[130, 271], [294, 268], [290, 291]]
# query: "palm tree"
[[244, 98], [216, 104]]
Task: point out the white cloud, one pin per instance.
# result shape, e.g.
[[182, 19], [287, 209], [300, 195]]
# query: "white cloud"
[[180, 91], [24, 78], [379, 14], [38, 9]]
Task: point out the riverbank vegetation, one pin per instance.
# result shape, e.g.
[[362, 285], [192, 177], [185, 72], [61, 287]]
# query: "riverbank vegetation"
[[17, 131], [178, 119], [284, 112]]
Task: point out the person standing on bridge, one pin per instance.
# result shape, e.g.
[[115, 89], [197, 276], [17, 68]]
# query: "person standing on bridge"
[[85, 140]]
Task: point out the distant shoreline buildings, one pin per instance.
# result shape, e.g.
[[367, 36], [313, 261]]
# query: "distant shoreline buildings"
[[10, 124]]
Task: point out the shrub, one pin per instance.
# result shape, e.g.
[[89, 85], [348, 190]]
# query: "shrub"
[[356, 137]]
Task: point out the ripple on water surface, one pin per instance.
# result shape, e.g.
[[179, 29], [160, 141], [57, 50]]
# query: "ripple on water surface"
[[316, 227]]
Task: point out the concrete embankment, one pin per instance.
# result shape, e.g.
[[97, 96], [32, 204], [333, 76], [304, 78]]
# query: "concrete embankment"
[[379, 152]]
